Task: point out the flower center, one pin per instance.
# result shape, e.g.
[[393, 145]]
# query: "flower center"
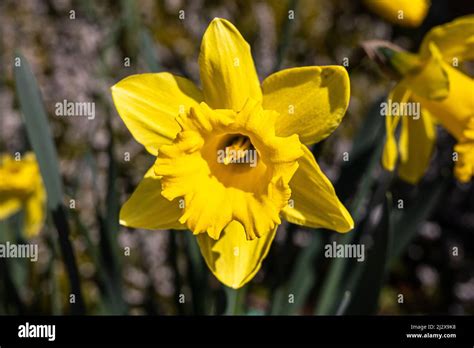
[[229, 166], [234, 161], [238, 149]]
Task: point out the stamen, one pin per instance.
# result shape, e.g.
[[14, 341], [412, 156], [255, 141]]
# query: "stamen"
[[237, 149]]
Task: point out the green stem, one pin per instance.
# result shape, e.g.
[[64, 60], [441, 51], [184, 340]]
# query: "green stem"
[[235, 301]]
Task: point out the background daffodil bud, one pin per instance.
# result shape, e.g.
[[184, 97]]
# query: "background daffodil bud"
[[21, 188], [405, 13], [392, 59]]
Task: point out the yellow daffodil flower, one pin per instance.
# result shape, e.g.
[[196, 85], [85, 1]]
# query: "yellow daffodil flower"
[[21, 187], [446, 96], [230, 155], [405, 13]]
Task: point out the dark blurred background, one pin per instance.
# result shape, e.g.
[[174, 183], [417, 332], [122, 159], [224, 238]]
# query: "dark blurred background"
[[80, 58]]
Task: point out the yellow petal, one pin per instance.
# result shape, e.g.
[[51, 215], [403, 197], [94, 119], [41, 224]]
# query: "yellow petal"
[[455, 111], [406, 13], [390, 153], [35, 213], [431, 82], [9, 206], [399, 94], [311, 100], [315, 203], [464, 166], [456, 114], [232, 258], [227, 71], [149, 103], [148, 209], [21, 187], [416, 142], [454, 40]]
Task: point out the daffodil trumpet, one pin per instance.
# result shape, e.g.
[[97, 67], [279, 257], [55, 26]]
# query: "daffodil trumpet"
[[433, 79], [232, 155]]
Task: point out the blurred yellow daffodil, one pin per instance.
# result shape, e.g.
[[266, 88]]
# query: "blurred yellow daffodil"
[[230, 155], [405, 13], [21, 187], [446, 96]]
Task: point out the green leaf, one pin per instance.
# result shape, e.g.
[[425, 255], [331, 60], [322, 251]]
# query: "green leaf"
[[13, 271], [131, 25], [106, 256], [370, 132], [301, 281], [367, 277], [344, 303], [41, 141], [148, 52], [364, 158], [174, 251], [407, 221], [38, 131], [332, 291], [109, 227], [19, 267], [52, 276], [197, 276]]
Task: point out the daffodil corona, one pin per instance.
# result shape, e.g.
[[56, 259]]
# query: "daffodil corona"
[[446, 95], [231, 158], [21, 188]]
